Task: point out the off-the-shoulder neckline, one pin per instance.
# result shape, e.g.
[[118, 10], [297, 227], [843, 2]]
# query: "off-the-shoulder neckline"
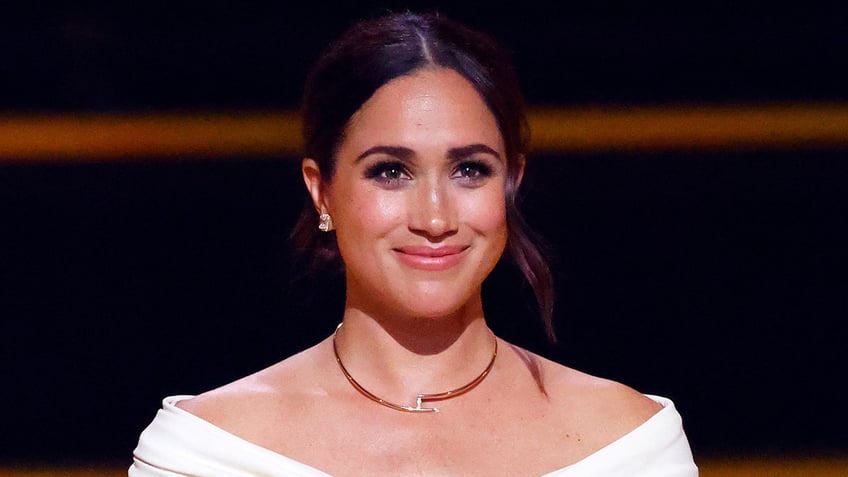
[[169, 404]]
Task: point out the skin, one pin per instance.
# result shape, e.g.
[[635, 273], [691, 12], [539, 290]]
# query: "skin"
[[418, 207], [417, 200]]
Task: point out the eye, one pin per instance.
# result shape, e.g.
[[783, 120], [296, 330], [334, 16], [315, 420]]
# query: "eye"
[[387, 172], [472, 171]]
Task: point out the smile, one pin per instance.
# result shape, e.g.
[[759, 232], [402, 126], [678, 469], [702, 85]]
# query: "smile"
[[431, 258]]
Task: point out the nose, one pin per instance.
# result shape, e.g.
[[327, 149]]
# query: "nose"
[[433, 211]]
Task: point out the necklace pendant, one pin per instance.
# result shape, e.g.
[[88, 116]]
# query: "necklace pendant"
[[418, 402]]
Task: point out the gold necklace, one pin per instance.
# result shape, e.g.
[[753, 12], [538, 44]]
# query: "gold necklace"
[[422, 397]]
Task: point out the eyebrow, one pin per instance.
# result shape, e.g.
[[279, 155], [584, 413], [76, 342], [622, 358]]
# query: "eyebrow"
[[402, 153], [460, 153], [405, 153]]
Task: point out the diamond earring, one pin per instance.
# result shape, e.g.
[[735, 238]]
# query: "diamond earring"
[[325, 222]]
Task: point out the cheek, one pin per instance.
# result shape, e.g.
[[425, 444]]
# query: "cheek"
[[367, 213], [486, 212]]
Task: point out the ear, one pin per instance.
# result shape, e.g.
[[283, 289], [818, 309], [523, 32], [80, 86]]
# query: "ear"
[[314, 184], [520, 161]]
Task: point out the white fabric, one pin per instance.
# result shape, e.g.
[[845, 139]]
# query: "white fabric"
[[178, 443], [657, 448]]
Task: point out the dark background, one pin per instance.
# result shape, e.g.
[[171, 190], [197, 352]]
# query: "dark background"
[[715, 278]]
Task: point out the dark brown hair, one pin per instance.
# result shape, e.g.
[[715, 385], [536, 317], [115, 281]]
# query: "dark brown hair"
[[373, 52]]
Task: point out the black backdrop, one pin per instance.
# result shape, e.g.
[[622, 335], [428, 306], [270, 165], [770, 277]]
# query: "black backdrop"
[[188, 54], [717, 279]]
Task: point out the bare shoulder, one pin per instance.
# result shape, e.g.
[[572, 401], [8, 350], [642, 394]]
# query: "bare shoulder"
[[243, 404], [590, 402]]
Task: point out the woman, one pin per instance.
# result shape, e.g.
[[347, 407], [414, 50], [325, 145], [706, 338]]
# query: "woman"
[[415, 141]]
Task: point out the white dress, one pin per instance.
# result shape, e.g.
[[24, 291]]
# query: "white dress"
[[178, 443]]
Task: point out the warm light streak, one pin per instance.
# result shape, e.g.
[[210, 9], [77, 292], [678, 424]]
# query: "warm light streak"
[[192, 135]]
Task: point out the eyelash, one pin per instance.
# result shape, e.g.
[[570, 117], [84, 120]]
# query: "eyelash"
[[390, 173], [380, 170], [479, 169]]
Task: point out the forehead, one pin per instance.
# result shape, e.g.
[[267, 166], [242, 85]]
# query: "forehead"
[[429, 107]]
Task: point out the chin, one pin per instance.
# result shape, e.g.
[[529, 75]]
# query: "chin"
[[437, 304]]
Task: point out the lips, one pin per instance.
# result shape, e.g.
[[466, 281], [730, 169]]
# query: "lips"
[[431, 258]]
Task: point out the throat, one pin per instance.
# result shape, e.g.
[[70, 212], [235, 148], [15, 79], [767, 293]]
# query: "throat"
[[425, 402]]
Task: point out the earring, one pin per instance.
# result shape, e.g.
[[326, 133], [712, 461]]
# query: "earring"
[[325, 222]]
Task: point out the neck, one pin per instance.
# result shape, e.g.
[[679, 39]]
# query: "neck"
[[399, 358]]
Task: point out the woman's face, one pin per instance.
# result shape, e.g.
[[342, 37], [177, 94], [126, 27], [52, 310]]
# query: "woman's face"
[[417, 198]]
